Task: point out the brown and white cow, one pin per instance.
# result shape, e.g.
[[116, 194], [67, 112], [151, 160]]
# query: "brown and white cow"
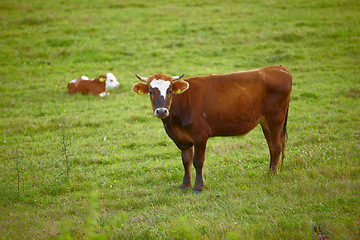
[[98, 86], [197, 108]]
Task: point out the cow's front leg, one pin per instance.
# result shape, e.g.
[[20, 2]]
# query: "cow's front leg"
[[187, 159], [198, 161]]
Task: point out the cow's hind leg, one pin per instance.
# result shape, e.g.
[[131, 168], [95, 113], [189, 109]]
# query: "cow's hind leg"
[[187, 159], [276, 145], [276, 141]]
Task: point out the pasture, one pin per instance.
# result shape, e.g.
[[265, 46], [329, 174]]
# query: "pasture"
[[86, 167]]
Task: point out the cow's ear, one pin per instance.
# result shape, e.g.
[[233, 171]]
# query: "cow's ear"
[[140, 88], [180, 86], [102, 78]]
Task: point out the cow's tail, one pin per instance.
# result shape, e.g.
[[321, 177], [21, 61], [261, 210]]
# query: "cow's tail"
[[284, 135]]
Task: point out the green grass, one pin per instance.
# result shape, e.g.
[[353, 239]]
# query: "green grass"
[[124, 172]]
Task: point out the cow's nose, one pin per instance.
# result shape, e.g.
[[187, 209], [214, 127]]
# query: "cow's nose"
[[161, 112]]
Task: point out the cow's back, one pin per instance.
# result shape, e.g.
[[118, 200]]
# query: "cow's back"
[[86, 87]]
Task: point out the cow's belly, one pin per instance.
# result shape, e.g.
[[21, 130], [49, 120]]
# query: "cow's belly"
[[236, 122], [233, 128]]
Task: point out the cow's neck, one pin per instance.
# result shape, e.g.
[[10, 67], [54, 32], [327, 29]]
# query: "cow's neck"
[[174, 128], [169, 122]]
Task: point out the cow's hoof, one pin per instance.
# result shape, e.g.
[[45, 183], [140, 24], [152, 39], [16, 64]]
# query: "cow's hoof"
[[273, 169], [183, 186], [197, 189]]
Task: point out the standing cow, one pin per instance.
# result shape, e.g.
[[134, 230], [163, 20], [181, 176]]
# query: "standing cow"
[[194, 109]]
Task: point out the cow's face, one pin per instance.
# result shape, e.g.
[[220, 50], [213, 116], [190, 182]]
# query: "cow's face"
[[111, 81], [161, 89]]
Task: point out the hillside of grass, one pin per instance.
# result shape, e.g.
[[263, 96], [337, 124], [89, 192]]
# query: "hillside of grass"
[[86, 167]]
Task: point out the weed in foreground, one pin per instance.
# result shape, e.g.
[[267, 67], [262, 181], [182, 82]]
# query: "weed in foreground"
[[65, 143]]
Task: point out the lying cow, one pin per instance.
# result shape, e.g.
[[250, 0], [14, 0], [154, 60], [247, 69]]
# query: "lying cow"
[[194, 109], [98, 86]]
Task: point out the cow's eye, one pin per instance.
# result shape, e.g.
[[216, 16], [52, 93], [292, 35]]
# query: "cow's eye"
[[151, 92], [170, 91]]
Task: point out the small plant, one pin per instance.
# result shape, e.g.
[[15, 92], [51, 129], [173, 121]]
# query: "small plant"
[[18, 174], [94, 223], [18, 178], [319, 234], [65, 143]]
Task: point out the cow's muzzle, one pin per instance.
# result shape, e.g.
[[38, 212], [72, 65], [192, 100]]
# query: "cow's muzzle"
[[161, 112]]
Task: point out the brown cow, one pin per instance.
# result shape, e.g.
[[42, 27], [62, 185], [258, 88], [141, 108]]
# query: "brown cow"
[[194, 109], [98, 86]]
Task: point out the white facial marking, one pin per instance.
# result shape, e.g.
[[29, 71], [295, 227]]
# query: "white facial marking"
[[161, 85], [111, 81]]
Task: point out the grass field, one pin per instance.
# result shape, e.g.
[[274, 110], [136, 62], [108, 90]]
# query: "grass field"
[[120, 173]]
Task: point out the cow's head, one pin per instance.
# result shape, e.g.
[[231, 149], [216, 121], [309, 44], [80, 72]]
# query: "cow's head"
[[110, 81], [161, 88]]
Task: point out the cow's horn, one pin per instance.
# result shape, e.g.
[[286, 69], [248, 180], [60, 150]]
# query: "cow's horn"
[[141, 78], [177, 77]]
